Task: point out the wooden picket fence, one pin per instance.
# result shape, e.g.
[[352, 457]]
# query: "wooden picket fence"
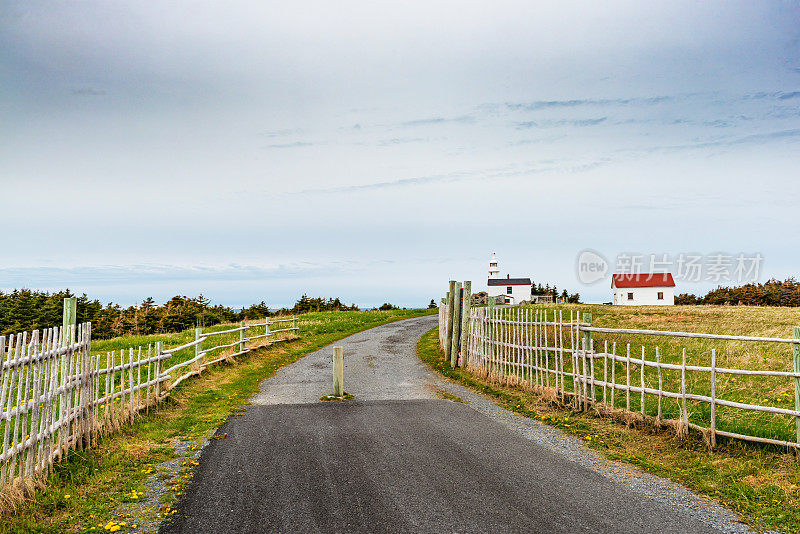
[[546, 351], [57, 395]]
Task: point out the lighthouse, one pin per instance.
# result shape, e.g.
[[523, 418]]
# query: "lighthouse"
[[494, 271], [507, 290]]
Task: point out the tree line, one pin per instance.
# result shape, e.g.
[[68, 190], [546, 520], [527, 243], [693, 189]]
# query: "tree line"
[[773, 292], [25, 310], [565, 296], [308, 304]]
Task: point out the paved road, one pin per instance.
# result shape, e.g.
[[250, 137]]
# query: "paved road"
[[396, 459]]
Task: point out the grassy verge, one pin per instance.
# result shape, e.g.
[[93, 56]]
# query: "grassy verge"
[[759, 483], [87, 488]]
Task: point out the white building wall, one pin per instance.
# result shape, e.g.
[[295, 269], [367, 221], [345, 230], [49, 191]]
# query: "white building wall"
[[519, 293], [644, 296]]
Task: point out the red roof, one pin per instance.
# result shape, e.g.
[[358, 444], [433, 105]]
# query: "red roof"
[[643, 280]]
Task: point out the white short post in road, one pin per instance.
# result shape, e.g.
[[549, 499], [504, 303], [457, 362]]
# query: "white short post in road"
[[338, 371]]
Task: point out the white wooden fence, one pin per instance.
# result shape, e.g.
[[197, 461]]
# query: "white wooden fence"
[[546, 351], [56, 395]]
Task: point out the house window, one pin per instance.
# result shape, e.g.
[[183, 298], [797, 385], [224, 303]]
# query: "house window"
[[630, 296], [508, 290], [660, 295]]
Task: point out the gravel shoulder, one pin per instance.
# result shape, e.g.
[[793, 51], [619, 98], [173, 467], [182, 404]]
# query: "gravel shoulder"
[[399, 459]]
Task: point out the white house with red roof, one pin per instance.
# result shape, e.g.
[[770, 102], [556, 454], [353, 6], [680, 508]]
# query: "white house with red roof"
[[644, 289], [513, 290]]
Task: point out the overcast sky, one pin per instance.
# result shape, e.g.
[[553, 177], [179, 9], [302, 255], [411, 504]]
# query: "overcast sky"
[[373, 150]]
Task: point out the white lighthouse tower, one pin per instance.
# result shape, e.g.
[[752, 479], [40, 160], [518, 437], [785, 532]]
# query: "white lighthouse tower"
[[494, 271]]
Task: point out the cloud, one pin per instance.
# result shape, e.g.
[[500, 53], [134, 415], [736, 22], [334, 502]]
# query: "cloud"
[[421, 180], [547, 139], [400, 141], [555, 123], [88, 91], [543, 166], [771, 95], [279, 133], [87, 276], [295, 144], [550, 104], [778, 135], [756, 138], [464, 119], [713, 97]]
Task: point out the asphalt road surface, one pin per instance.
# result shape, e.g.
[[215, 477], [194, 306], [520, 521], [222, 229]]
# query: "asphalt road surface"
[[395, 459]]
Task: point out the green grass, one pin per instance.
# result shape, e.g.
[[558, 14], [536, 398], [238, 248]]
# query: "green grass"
[[761, 484], [86, 488], [442, 394], [733, 320]]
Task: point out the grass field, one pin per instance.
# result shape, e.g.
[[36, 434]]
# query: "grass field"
[[86, 489], [762, 483], [733, 320]]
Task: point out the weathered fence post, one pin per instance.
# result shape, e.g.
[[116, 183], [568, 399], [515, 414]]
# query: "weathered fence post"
[[490, 332], [685, 429], [70, 319], [338, 371], [456, 325], [466, 304], [660, 383], [449, 327], [587, 336], [641, 382], [266, 329], [712, 442], [158, 370], [241, 338], [198, 333], [587, 346], [90, 374], [796, 355]]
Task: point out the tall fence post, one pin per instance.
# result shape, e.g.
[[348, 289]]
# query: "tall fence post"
[[241, 338], [443, 321], [198, 333], [159, 346], [449, 327], [70, 319], [684, 411], [712, 441], [456, 325], [466, 304], [796, 355], [86, 389], [586, 344], [490, 329], [587, 336], [338, 371]]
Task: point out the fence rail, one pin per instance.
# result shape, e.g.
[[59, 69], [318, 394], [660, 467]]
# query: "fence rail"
[[56, 394], [545, 350]]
